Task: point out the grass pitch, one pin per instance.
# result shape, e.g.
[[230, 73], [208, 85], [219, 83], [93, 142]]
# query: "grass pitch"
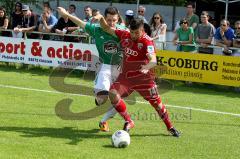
[[30, 128]]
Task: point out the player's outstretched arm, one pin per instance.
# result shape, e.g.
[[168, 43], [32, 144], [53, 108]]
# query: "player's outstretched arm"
[[104, 24], [74, 19], [152, 63]]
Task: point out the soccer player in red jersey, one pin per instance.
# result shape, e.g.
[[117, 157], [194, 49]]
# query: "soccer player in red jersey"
[[139, 57]]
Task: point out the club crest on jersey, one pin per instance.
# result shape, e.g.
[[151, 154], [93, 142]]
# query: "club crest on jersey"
[[126, 43], [140, 45], [150, 49], [130, 52], [110, 48]]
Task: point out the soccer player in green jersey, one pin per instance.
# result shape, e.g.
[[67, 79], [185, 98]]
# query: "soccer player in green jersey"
[[109, 53]]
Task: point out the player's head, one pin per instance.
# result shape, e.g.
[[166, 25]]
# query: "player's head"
[[112, 16], [136, 28]]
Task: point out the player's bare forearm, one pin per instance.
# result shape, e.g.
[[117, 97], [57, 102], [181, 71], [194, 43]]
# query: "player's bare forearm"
[[74, 19], [152, 63]]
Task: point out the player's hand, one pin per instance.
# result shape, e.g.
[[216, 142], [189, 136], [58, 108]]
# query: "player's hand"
[[96, 17], [62, 12], [144, 70]]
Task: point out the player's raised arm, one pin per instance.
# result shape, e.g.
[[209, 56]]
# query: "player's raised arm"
[[74, 19], [104, 24]]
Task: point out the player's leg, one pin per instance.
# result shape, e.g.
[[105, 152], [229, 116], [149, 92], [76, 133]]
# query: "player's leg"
[[163, 113], [117, 91], [152, 96], [102, 85]]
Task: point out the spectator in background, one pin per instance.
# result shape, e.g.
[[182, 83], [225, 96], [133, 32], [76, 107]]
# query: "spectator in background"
[[88, 13], [47, 21], [129, 15], [141, 13], [176, 26], [46, 5], [72, 10], [65, 26], [204, 34], [29, 22], [16, 17], [185, 35], [236, 41], [193, 19], [158, 29], [3, 22], [224, 36], [146, 26]]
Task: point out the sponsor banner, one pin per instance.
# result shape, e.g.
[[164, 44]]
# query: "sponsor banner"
[[49, 53], [203, 68], [12, 49]]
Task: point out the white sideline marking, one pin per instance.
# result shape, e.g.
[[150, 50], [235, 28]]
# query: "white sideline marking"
[[173, 106]]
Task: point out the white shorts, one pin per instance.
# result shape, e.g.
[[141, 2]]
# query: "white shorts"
[[106, 75]]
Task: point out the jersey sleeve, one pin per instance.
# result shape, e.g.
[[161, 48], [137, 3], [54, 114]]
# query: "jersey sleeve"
[[150, 48], [90, 28], [120, 33]]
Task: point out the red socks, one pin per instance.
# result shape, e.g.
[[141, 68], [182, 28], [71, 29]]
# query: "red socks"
[[162, 112], [122, 110]]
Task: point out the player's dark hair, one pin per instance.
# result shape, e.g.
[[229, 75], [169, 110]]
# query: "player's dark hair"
[[111, 10], [136, 23]]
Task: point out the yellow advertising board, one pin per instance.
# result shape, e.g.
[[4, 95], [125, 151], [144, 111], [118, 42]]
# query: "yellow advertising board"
[[195, 67]]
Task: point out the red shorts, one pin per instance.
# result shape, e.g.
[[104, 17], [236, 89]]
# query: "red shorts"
[[146, 88]]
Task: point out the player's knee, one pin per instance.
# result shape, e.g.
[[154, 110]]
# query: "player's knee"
[[101, 98], [113, 96]]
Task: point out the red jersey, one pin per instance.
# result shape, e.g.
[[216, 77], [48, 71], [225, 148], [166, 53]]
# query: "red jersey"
[[135, 54]]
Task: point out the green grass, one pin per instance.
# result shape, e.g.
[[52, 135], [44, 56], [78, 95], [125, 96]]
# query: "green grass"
[[29, 127]]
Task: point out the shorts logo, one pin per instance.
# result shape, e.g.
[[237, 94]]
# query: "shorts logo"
[[150, 49]]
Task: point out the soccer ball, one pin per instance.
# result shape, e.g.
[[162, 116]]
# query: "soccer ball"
[[120, 139]]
